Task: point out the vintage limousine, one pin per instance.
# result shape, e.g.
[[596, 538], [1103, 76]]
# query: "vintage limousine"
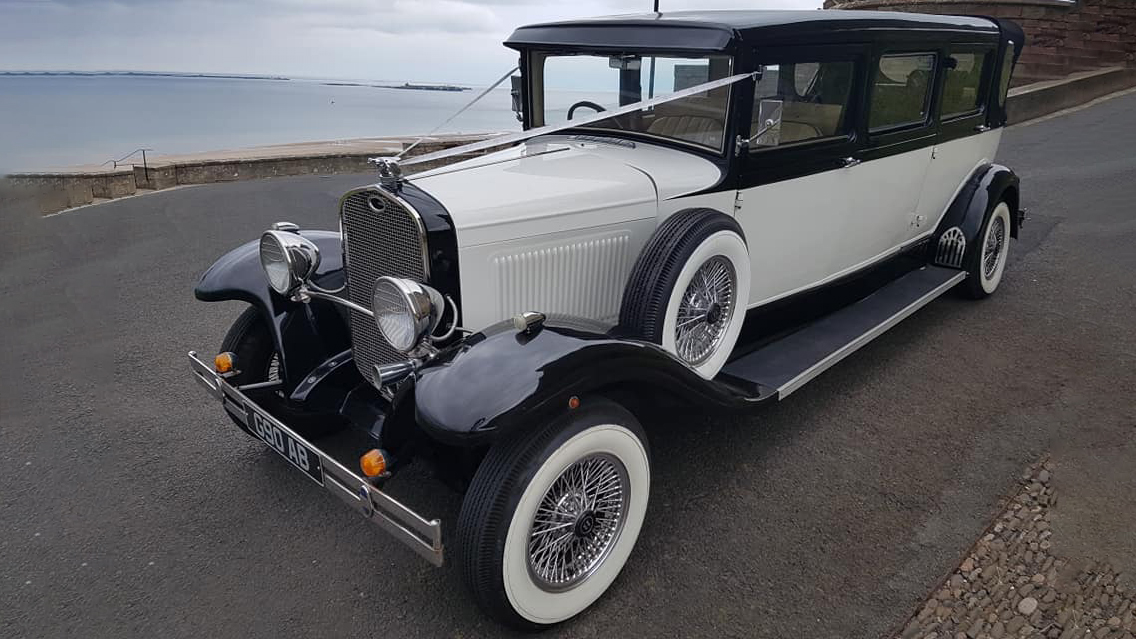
[[705, 208]]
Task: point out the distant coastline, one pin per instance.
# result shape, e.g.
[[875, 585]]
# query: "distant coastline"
[[56, 118], [221, 76], [407, 85], [144, 74]]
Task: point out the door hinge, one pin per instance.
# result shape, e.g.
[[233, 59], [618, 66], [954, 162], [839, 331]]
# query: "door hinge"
[[738, 197], [740, 144]]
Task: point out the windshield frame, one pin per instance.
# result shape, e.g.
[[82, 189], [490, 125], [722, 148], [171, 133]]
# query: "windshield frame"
[[533, 72]]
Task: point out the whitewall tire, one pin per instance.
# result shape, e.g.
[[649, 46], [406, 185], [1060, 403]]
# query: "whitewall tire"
[[552, 516], [987, 261], [689, 290]]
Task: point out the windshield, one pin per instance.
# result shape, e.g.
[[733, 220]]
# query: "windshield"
[[576, 86]]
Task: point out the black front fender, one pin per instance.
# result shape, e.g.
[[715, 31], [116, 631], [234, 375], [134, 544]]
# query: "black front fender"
[[502, 380], [305, 334]]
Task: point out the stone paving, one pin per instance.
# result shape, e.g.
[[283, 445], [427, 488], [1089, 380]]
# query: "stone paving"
[[1012, 584]]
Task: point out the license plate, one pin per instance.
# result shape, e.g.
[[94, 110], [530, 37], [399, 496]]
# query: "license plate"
[[261, 425]]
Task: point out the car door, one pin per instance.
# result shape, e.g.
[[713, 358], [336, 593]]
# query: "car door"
[[964, 142], [793, 176], [893, 165]]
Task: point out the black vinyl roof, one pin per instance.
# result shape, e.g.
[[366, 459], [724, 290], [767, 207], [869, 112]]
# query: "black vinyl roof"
[[723, 30]]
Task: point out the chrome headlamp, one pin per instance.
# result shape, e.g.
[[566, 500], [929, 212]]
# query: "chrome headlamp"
[[406, 311], [289, 259]]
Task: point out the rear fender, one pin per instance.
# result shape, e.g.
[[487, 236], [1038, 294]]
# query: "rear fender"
[[988, 185], [305, 334], [500, 381]]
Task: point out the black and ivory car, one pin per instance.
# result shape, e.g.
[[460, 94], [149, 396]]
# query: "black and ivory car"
[[703, 208]]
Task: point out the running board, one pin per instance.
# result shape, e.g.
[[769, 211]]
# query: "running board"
[[791, 362]]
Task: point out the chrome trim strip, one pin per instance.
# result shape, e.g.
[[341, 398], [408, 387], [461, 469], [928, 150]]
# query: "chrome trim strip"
[[421, 535], [851, 347], [337, 300], [261, 385]]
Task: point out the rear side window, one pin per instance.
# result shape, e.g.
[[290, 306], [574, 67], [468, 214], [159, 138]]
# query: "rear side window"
[[1007, 70], [962, 89], [800, 101], [901, 90]]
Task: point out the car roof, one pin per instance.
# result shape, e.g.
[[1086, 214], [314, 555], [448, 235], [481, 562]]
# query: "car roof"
[[722, 30]]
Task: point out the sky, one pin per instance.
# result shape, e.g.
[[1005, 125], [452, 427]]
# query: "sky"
[[427, 40]]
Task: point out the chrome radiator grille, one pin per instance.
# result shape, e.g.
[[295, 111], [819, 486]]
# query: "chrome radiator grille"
[[381, 236]]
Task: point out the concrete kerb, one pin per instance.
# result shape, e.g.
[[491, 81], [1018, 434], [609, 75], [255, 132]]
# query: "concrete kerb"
[[56, 191], [1042, 98]]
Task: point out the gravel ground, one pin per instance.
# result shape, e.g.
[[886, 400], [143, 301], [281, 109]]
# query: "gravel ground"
[[1013, 584]]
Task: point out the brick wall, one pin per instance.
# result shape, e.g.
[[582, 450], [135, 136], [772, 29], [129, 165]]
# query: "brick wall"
[[1061, 37]]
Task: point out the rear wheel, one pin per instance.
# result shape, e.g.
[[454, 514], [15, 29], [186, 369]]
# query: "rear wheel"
[[552, 516], [987, 262], [250, 341]]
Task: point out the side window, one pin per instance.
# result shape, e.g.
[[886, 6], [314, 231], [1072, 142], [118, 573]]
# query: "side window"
[[1007, 70], [901, 90], [800, 101], [962, 89]]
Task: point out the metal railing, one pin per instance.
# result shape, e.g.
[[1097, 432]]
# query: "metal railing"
[[145, 167]]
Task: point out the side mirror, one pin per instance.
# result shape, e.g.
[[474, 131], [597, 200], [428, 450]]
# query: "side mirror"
[[515, 92], [769, 123]]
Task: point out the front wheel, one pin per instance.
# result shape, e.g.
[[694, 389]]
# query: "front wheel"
[[250, 341], [552, 516]]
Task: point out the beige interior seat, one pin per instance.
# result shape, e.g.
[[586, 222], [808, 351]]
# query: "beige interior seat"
[[692, 128], [807, 120]]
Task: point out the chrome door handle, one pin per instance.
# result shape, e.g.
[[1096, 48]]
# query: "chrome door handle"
[[851, 161], [982, 128]]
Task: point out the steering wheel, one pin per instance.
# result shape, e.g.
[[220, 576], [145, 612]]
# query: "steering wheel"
[[592, 105], [584, 103]]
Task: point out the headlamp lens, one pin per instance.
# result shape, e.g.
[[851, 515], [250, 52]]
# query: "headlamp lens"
[[394, 315], [275, 263]]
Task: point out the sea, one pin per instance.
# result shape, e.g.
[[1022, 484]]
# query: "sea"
[[49, 121]]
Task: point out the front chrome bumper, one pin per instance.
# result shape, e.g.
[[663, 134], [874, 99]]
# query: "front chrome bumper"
[[423, 536]]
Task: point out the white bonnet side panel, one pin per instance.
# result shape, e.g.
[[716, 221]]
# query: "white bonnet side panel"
[[580, 273]]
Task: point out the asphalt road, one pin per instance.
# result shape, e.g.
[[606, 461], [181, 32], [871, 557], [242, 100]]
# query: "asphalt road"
[[130, 507]]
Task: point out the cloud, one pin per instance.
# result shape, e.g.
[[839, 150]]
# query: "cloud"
[[444, 40], [401, 17]]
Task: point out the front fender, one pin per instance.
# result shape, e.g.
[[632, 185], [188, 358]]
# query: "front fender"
[[502, 380], [305, 334]]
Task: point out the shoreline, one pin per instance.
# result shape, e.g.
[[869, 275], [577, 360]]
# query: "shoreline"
[[57, 190]]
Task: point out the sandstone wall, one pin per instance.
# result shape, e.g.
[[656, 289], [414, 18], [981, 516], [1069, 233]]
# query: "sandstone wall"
[[1061, 36]]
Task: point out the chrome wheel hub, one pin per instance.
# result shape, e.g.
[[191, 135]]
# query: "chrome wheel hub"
[[995, 240], [705, 310], [578, 522]]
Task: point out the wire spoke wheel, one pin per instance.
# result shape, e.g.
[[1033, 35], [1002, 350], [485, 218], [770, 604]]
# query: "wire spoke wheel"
[[995, 241], [578, 522], [705, 310], [986, 262]]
